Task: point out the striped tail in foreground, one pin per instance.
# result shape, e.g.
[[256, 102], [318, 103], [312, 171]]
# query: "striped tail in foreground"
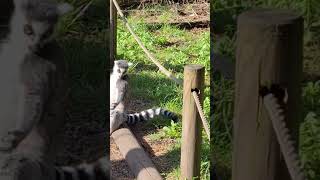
[[150, 114], [95, 171], [19, 166]]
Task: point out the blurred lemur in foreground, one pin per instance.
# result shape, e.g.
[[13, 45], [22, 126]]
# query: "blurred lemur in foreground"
[[33, 69], [32, 102]]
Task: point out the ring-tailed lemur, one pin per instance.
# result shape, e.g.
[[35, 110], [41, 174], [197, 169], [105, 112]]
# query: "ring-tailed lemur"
[[22, 167], [35, 77], [119, 84], [119, 99]]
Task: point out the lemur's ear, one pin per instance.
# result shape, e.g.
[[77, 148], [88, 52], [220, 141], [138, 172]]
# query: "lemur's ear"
[[130, 64], [64, 8]]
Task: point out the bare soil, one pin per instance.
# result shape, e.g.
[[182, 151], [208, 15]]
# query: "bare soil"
[[119, 167], [183, 15]]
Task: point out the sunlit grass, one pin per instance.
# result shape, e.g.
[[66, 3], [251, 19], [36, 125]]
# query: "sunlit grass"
[[174, 48]]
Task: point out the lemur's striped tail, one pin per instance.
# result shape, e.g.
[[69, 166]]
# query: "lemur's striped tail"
[[20, 166], [150, 114], [95, 171]]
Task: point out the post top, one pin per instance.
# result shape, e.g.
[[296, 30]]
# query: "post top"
[[193, 67], [269, 16]]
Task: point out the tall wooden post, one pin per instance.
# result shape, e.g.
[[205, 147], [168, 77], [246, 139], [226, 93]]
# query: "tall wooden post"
[[113, 33], [191, 123], [269, 51]]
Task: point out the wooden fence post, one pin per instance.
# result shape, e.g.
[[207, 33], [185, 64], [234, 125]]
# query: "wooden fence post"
[[191, 123], [269, 51], [113, 33]]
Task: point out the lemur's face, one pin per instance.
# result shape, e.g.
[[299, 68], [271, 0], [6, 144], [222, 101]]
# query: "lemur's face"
[[37, 34], [38, 19], [120, 68]]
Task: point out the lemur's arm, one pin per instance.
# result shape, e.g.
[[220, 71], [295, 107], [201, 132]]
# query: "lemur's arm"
[[34, 99], [123, 88]]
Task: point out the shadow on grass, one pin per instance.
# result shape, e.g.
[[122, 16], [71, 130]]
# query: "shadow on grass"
[[222, 172], [86, 109]]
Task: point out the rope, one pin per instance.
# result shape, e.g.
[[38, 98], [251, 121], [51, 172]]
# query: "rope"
[[203, 118], [152, 58], [283, 136]]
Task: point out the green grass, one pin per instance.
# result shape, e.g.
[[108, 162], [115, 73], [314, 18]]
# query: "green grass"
[[174, 48], [309, 140]]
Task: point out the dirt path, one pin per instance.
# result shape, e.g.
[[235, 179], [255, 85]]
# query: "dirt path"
[[179, 13], [119, 167]]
